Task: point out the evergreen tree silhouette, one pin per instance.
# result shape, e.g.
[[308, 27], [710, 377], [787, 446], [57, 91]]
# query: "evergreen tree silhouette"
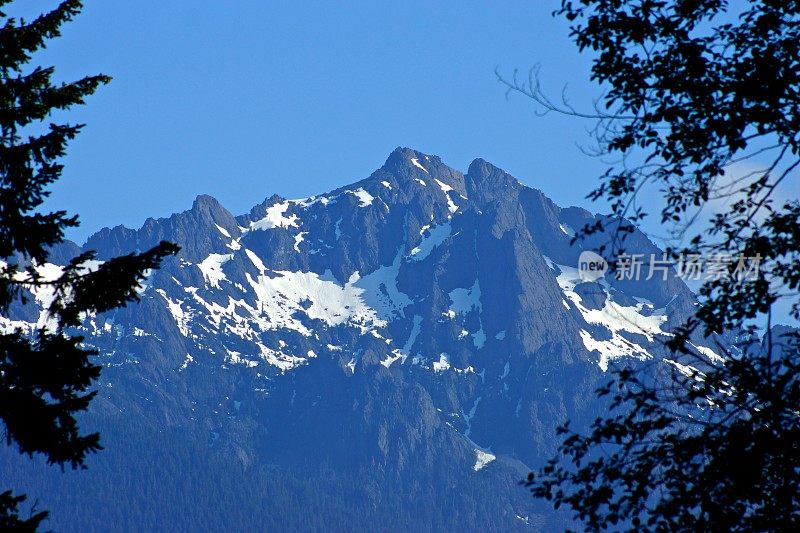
[[45, 371]]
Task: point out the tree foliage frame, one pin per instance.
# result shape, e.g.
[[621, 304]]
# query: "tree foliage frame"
[[695, 89]]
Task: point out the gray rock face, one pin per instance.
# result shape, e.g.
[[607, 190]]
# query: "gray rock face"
[[407, 344]]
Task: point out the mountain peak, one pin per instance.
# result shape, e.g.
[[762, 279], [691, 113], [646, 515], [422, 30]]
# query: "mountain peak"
[[408, 165], [206, 206], [484, 181], [407, 161], [402, 156], [205, 201]]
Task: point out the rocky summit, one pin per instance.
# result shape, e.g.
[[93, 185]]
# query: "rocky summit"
[[391, 355]]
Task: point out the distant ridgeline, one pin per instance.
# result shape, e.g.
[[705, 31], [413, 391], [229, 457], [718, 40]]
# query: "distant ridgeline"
[[394, 354]]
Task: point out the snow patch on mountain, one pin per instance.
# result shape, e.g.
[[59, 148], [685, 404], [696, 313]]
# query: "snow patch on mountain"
[[298, 239], [617, 346], [174, 306], [396, 355], [45, 294], [255, 260], [442, 364], [713, 356], [224, 232], [380, 291], [275, 358], [479, 338], [364, 198], [431, 238], [416, 163], [566, 230], [469, 416], [186, 361], [443, 186], [482, 458], [285, 294], [615, 318], [8, 326], [305, 203], [465, 300], [211, 267], [446, 189], [276, 218], [416, 328]]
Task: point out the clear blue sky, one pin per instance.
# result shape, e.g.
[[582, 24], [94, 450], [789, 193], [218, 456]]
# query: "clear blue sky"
[[244, 99]]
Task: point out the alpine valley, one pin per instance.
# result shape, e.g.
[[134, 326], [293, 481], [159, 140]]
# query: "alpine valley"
[[392, 355]]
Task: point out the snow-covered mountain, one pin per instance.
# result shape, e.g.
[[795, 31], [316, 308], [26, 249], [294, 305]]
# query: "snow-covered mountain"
[[393, 354]]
